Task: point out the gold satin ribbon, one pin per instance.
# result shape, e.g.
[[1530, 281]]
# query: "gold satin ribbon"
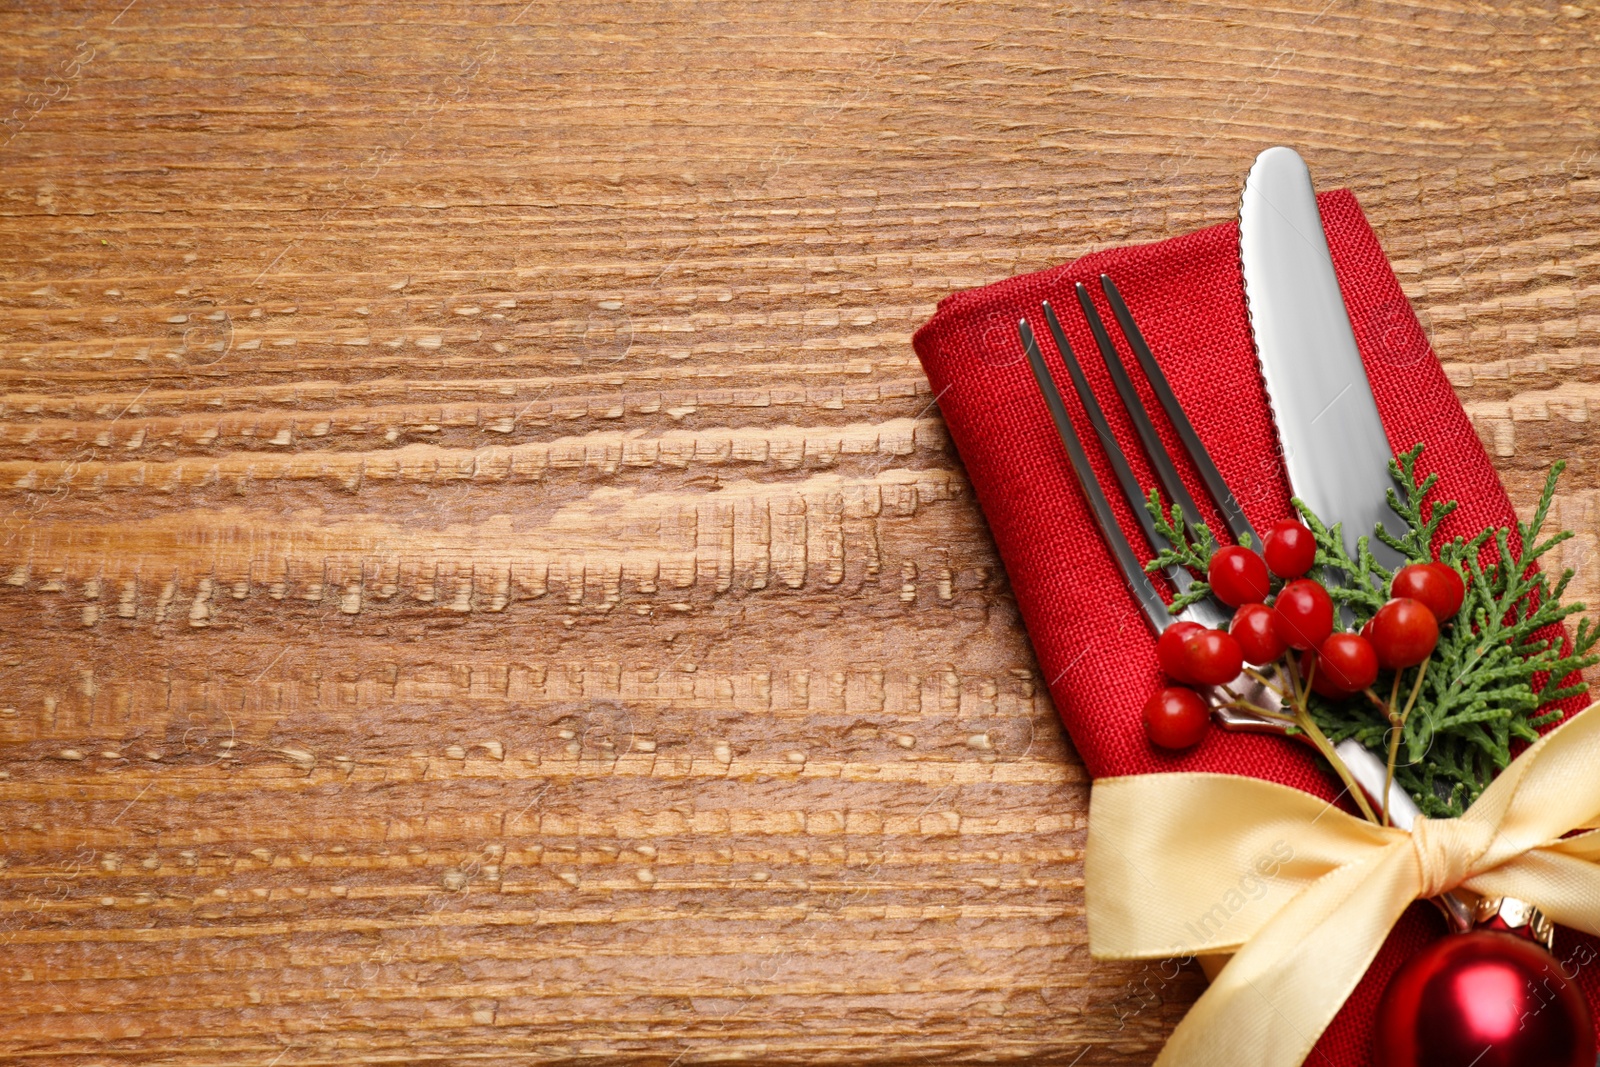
[[1304, 895]]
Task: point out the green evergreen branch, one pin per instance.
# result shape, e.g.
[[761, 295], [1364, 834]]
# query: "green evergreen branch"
[[1494, 673], [1417, 545], [1193, 553]]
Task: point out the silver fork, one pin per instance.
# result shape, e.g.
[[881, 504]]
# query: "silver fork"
[[1368, 771], [1205, 612]]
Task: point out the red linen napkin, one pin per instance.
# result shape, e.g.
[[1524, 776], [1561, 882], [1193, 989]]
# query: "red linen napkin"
[[1094, 647]]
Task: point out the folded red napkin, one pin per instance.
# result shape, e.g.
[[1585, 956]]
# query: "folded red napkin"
[[1094, 647]]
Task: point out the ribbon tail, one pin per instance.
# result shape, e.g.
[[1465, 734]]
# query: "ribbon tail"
[[1562, 878], [1182, 865], [1275, 997]]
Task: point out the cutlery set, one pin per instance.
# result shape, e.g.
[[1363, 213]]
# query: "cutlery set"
[[1334, 444]]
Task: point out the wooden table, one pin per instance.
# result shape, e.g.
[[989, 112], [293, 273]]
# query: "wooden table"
[[482, 576]]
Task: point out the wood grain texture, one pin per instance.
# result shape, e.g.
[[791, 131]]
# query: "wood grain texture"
[[482, 577]]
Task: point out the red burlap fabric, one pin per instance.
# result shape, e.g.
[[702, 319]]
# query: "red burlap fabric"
[[1094, 647]]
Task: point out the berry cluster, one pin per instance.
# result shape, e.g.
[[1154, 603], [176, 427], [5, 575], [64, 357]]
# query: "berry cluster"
[[1495, 673], [1299, 623]]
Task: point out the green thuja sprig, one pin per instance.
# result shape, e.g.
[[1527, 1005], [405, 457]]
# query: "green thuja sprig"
[[1493, 674], [1359, 584], [1417, 544], [1188, 545]]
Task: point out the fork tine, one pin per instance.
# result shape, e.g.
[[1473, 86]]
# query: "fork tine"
[[1224, 708], [1226, 502], [1144, 591], [1154, 448], [1131, 490], [1097, 418]]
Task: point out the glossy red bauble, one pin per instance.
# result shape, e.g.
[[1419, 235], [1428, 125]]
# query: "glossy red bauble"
[[1258, 638], [1436, 585], [1486, 999], [1238, 576], [1346, 664], [1404, 633], [1169, 649], [1176, 718], [1290, 548], [1303, 614]]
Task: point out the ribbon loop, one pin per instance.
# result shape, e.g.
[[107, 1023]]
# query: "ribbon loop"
[[1447, 850]]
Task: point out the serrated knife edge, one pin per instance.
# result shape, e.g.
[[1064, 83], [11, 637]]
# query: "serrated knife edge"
[[1314, 370]]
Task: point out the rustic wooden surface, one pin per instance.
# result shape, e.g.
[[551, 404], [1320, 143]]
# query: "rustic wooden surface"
[[482, 578]]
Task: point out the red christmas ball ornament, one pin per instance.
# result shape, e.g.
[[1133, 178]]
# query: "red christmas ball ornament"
[[1483, 998]]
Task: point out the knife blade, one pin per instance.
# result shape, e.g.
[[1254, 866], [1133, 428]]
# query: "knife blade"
[[1334, 444]]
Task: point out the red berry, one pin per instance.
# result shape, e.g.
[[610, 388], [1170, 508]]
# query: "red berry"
[[1347, 663], [1169, 648], [1311, 668], [1290, 548], [1176, 718], [1211, 657], [1258, 639], [1437, 585], [1238, 576], [1451, 579], [1404, 632], [1303, 614]]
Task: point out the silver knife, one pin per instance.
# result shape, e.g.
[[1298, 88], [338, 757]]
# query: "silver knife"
[[1334, 445]]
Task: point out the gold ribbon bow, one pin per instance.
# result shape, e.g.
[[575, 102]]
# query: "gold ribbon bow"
[[1304, 895]]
